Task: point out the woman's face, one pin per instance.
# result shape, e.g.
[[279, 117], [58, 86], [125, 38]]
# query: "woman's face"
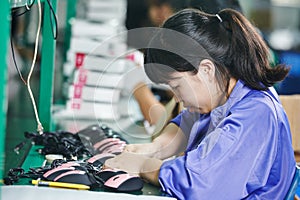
[[198, 92]]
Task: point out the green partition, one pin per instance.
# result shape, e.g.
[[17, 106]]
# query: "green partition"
[[4, 35], [47, 69]]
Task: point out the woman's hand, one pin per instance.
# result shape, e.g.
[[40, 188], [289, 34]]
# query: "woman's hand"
[[136, 164], [147, 149], [172, 141], [126, 161]]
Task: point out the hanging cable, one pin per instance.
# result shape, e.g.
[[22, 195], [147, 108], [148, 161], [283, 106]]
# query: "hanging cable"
[[51, 10], [54, 33], [39, 124], [15, 62], [27, 7], [15, 14]]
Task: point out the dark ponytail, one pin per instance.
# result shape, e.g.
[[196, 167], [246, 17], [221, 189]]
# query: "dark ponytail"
[[228, 39], [248, 55]]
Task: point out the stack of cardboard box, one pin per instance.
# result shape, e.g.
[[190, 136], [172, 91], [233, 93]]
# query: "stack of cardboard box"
[[96, 61]]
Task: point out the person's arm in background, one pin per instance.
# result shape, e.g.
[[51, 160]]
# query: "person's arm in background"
[[151, 108]]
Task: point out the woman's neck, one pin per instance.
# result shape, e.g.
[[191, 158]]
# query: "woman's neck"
[[225, 96], [232, 83]]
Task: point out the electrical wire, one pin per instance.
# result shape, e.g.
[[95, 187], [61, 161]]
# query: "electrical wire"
[[27, 8], [15, 62], [14, 13], [39, 124], [51, 10]]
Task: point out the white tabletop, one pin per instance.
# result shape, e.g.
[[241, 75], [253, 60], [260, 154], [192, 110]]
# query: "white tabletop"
[[34, 192]]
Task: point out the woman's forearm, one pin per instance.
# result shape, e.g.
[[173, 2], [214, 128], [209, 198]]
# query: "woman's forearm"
[[150, 170], [171, 142]]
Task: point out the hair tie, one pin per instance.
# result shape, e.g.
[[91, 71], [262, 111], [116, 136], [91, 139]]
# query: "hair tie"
[[218, 16]]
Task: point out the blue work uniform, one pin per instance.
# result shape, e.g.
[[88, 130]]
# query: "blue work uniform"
[[240, 150]]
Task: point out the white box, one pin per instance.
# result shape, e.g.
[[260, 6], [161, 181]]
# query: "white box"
[[106, 4], [84, 28], [96, 63], [68, 68], [98, 79], [94, 94], [105, 16], [91, 110], [112, 47]]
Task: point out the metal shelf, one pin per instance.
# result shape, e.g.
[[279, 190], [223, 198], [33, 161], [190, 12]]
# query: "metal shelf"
[[47, 69], [4, 35]]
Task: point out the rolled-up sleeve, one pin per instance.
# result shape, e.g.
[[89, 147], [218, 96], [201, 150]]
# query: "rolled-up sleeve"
[[185, 121]]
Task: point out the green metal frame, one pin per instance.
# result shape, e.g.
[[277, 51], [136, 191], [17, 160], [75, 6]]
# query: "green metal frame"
[[71, 13], [46, 76], [4, 36], [47, 70], [48, 47]]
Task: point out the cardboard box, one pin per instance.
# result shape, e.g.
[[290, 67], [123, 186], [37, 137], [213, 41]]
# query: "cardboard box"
[[96, 4], [98, 79], [103, 64], [110, 47], [94, 94], [84, 28], [79, 109], [291, 104]]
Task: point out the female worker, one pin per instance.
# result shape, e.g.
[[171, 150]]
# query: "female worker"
[[234, 132]]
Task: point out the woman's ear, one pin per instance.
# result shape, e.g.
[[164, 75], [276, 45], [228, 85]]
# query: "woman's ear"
[[207, 68]]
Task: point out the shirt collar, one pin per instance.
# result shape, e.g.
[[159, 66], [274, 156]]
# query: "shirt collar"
[[239, 91]]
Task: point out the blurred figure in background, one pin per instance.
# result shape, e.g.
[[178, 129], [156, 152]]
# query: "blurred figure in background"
[[160, 10]]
